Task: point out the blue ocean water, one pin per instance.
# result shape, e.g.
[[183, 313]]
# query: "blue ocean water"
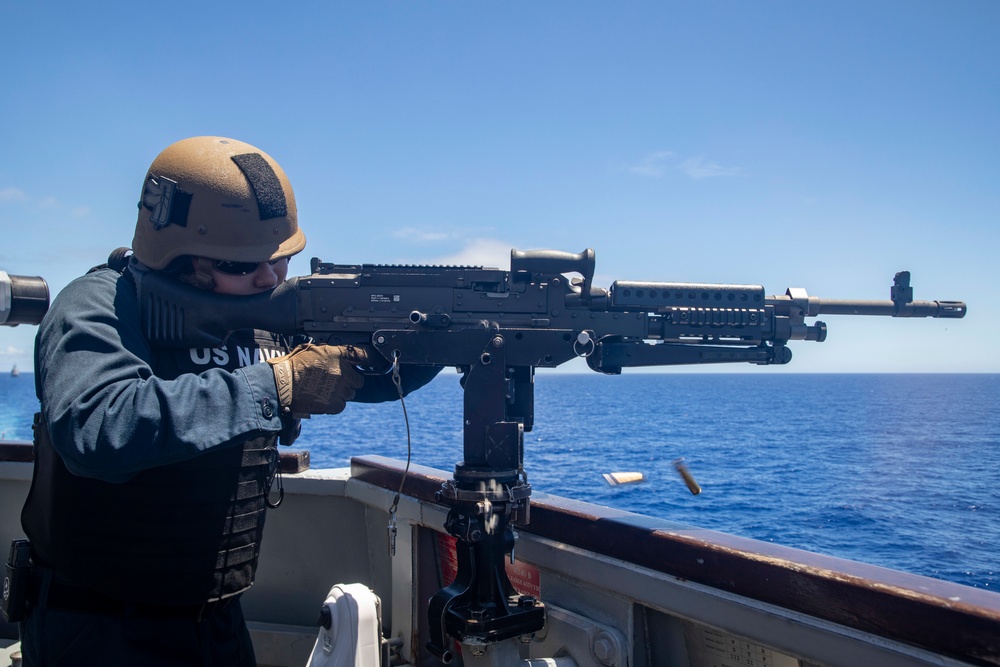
[[895, 470]]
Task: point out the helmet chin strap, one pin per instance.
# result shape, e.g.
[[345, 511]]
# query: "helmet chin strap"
[[201, 277]]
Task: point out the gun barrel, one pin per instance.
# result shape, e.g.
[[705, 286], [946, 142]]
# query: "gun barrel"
[[948, 309], [813, 306]]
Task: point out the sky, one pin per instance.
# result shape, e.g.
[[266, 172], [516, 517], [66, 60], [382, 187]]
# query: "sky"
[[788, 144]]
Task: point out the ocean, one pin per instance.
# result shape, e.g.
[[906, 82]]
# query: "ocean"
[[901, 471]]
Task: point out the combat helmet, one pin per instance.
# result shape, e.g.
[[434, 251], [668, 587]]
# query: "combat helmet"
[[217, 198]]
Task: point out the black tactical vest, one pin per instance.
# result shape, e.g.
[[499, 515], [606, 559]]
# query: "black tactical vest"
[[180, 534]]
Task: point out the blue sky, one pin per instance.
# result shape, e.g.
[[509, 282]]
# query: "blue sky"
[[789, 144]]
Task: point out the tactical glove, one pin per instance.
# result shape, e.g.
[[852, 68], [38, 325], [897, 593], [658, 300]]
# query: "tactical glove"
[[318, 379]]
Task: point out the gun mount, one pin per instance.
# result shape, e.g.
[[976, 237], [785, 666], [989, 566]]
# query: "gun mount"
[[497, 327]]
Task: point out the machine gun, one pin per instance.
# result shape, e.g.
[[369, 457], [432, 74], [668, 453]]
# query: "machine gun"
[[497, 327]]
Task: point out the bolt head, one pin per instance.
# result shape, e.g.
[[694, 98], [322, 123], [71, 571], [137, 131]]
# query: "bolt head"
[[605, 650]]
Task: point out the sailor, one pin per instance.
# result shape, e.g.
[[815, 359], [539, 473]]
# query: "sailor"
[[154, 467]]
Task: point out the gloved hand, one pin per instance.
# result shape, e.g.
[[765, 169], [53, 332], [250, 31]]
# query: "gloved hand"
[[318, 379]]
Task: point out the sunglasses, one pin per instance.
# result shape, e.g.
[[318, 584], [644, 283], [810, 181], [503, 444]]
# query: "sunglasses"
[[241, 268]]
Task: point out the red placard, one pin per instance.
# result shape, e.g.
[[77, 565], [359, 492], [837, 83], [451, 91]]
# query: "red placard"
[[525, 577]]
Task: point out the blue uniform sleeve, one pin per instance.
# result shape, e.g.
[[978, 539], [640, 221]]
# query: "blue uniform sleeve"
[[109, 416]]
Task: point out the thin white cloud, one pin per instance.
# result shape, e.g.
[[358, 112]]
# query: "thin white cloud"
[[479, 252], [420, 235], [699, 167], [12, 351], [659, 163], [12, 194], [654, 165], [48, 203]]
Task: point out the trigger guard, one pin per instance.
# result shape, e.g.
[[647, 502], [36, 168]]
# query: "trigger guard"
[[371, 372]]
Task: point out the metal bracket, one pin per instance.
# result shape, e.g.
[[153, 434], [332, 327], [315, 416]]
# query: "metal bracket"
[[589, 643]]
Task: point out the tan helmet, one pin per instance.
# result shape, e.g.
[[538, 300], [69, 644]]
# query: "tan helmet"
[[217, 198]]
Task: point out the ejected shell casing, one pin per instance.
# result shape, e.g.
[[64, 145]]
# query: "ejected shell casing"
[[616, 478], [686, 476]]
